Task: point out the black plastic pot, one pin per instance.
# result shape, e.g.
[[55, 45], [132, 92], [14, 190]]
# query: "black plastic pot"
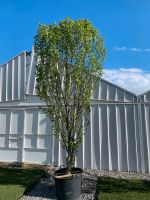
[[68, 188]]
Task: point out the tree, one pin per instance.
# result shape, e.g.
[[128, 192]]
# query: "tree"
[[70, 56]]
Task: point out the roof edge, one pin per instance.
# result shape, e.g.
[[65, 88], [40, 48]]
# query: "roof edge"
[[109, 82]]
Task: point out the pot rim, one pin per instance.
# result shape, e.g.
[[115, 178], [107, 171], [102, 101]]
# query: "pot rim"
[[61, 173]]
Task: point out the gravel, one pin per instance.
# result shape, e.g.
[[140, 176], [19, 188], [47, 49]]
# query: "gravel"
[[45, 189], [117, 174]]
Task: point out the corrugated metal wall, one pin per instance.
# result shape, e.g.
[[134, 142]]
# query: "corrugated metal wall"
[[116, 139], [23, 134], [13, 78], [144, 126]]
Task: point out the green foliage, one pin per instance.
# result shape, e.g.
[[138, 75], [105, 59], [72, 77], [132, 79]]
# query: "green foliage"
[[69, 55]]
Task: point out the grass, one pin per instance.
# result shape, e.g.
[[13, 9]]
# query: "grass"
[[14, 182], [122, 189]]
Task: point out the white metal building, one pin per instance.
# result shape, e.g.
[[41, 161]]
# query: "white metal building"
[[116, 139]]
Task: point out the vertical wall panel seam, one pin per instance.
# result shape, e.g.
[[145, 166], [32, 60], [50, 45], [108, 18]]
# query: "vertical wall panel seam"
[[91, 110], [9, 128], [25, 72], [116, 96], [109, 147], [19, 77], [13, 63], [6, 82], [107, 92], [124, 99], [59, 151], [75, 162], [37, 136], [127, 145], [1, 84], [141, 138], [147, 137], [34, 86], [135, 126], [23, 135], [99, 91], [118, 146], [30, 71], [100, 136]]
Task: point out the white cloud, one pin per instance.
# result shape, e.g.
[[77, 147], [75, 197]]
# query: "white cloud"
[[133, 49], [120, 48], [133, 79], [147, 50]]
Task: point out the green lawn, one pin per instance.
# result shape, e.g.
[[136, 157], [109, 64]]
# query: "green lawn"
[[14, 182], [122, 189]]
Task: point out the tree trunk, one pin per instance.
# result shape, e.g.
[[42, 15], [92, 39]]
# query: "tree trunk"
[[70, 161]]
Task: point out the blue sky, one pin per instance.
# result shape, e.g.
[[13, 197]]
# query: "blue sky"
[[124, 24]]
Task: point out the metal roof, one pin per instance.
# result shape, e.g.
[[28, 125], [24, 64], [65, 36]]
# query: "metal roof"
[[17, 79]]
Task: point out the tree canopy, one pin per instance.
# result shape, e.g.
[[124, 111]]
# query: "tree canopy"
[[70, 56]]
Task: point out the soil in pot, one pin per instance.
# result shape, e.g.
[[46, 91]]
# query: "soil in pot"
[[68, 187]]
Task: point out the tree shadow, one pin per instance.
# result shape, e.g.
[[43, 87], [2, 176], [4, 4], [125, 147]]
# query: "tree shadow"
[[20, 176], [42, 190], [88, 185]]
